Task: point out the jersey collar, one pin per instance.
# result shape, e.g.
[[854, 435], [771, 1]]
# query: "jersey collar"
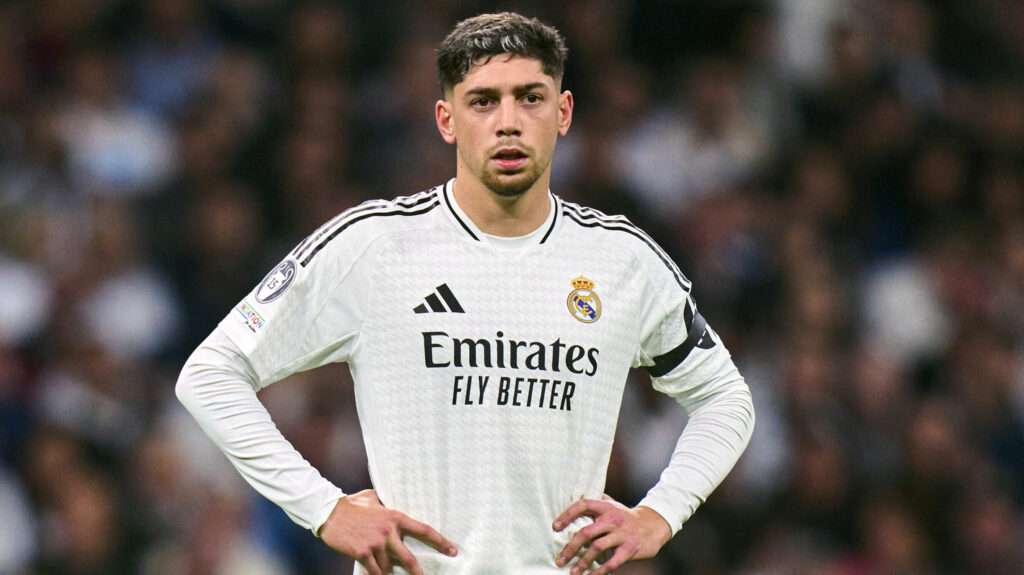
[[467, 225]]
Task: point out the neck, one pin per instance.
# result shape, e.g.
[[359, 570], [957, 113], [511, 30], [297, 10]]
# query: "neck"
[[503, 216]]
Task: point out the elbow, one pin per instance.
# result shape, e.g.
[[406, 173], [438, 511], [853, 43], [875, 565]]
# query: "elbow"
[[740, 405], [184, 388], [750, 415], [737, 407], [210, 371]]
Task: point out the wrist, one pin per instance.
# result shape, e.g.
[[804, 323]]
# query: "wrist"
[[658, 524], [325, 512]]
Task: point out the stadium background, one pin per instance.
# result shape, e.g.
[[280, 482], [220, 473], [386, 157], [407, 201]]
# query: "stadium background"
[[841, 179]]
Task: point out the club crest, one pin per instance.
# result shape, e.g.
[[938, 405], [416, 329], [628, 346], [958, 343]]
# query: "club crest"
[[583, 303]]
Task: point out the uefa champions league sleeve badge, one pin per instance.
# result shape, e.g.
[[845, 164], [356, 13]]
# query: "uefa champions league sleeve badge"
[[583, 303], [276, 282]]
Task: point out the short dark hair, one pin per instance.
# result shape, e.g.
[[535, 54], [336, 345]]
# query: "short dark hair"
[[487, 35]]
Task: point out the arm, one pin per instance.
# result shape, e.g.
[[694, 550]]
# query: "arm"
[[306, 313], [711, 390], [218, 387], [721, 421]]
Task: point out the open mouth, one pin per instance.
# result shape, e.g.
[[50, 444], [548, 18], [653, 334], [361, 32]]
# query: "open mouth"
[[510, 158]]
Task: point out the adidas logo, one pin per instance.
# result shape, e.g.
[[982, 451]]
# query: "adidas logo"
[[435, 304]]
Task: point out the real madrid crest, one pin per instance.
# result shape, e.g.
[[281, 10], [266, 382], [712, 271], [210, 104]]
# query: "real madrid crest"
[[583, 303]]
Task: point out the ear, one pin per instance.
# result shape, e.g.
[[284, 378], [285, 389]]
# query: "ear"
[[445, 123], [564, 112]]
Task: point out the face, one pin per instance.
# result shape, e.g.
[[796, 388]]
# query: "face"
[[504, 118]]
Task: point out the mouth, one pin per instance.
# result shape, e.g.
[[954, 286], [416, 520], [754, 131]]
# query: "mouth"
[[509, 159]]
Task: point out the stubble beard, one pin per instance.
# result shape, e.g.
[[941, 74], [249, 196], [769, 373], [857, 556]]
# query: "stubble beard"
[[503, 186], [512, 184]]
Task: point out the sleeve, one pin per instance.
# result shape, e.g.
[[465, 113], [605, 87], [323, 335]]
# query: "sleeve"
[[307, 311], [687, 361], [218, 387]]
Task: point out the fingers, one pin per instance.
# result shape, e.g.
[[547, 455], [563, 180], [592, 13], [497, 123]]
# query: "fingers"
[[597, 549], [578, 509], [408, 526], [613, 535], [584, 508], [373, 535], [428, 535], [369, 563], [588, 533], [623, 553], [383, 560], [403, 556]]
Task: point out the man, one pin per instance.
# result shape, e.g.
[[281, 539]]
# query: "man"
[[489, 327]]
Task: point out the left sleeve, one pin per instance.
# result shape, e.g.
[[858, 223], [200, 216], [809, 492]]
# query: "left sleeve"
[[687, 361]]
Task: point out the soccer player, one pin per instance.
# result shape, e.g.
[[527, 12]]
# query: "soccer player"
[[489, 327]]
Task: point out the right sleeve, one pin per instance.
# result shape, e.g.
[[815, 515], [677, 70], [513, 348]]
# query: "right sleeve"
[[218, 387], [307, 311]]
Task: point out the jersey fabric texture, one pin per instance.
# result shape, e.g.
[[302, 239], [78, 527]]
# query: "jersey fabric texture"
[[488, 381]]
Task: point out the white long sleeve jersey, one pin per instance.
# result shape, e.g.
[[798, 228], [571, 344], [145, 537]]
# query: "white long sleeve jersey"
[[488, 381]]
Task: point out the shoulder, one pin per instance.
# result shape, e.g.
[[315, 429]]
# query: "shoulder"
[[598, 224], [593, 225], [357, 228]]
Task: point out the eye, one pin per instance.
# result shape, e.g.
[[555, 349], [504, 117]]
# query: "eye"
[[532, 98], [480, 103]]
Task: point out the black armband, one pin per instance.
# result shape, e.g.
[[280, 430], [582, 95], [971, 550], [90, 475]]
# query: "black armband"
[[668, 361]]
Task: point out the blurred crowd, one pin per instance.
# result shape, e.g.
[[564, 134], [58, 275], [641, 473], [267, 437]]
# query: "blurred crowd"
[[843, 181]]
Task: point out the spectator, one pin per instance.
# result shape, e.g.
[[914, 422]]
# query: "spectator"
[[846, 191]]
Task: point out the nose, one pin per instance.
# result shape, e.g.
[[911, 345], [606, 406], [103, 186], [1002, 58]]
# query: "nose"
[[508, 118]]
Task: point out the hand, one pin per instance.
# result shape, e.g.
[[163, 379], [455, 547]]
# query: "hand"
[[625, 533], [362, 528]]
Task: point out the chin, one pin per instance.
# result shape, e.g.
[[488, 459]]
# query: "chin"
[[510, 191], [510, 186]]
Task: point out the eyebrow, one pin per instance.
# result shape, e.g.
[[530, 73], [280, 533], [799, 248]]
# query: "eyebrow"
[[516, 90]]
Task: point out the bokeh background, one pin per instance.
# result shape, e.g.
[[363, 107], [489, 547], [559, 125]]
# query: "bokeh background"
[[841, 179]]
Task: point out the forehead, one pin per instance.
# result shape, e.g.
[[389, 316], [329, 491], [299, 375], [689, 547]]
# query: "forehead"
[[504, 70]]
